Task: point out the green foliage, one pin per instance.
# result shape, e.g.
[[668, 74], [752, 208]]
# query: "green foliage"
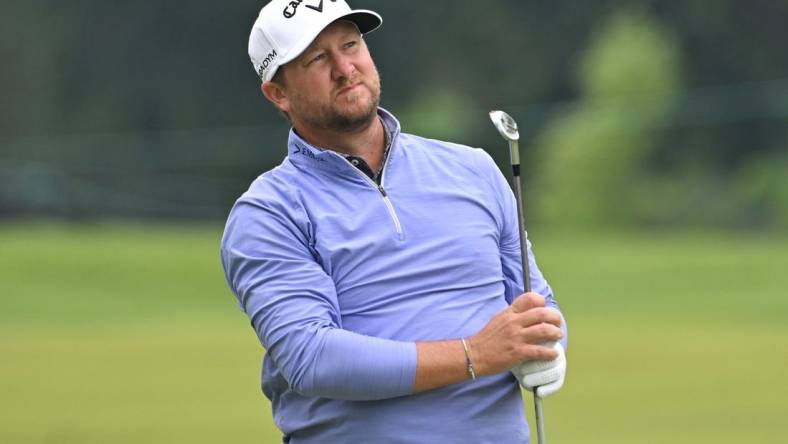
[[764, 184], [590, 159], [631, 57], [151, 109], [440, 113]]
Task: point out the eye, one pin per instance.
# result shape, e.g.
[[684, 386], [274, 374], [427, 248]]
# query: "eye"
[[350, 44], [317, 58]]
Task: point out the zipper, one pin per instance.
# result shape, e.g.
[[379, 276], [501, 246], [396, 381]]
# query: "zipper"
[[382, 190], [391, 210]]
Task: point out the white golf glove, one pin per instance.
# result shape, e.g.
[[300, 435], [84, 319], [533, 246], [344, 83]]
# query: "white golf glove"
[[546, 376]]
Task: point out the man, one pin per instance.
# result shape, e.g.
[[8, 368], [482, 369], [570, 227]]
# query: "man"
[[380, 270]]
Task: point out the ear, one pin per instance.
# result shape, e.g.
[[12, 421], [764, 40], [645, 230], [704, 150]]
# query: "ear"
[[277, 95]]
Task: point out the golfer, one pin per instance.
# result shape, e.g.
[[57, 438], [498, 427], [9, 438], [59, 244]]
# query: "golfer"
[[380, 270]]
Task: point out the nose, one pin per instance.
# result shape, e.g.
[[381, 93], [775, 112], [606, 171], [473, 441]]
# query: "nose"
[[343, 66]]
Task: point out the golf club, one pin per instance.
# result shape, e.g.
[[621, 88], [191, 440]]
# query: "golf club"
[[506, 125]]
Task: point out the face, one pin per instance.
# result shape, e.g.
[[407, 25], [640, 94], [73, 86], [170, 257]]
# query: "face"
[[334, 84]]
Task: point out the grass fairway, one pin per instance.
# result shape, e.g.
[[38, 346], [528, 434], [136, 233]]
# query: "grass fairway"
[[129, 335]]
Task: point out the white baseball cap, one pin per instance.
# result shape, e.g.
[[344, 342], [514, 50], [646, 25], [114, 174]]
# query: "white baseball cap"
[[285, 28]]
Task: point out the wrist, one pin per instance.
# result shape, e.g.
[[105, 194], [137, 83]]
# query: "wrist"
[[469, 367], [479, 366]]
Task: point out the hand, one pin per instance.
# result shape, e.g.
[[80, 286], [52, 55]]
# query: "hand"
[[546, 376], [515, 335]]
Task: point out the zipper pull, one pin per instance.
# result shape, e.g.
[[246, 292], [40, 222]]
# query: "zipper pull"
[[382, 191]]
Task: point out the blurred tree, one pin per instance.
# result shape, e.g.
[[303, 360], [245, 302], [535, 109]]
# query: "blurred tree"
[[589, 161], [763, 185], [441, 113], [93, 92]]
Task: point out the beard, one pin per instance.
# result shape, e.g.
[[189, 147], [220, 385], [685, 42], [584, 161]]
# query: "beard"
[[349, 112]]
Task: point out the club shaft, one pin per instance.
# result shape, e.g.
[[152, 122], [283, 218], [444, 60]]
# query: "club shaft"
[[518, 194], [539, 413]]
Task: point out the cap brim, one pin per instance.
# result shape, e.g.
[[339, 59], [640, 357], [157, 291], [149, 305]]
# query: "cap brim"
[[366, 20]]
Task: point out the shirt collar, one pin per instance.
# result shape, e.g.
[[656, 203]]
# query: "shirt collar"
[[302, 153]]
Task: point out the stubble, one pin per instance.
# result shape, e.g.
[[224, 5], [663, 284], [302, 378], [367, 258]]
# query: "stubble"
[[348, 112]]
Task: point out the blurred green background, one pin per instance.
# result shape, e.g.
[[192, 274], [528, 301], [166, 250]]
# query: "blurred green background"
[[655, 140]]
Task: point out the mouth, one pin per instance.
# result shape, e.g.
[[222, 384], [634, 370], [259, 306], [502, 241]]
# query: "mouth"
[[348, 89]]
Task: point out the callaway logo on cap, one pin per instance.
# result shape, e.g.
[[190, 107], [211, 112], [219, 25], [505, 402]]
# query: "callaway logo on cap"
[[285, 28]]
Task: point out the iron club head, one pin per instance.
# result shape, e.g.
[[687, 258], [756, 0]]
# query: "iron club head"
[[505, 125]]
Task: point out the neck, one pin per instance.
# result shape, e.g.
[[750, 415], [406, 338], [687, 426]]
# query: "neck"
[[367, 142]]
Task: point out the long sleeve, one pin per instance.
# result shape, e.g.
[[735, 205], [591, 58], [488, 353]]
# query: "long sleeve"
[[511, 258], [293, 307]]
